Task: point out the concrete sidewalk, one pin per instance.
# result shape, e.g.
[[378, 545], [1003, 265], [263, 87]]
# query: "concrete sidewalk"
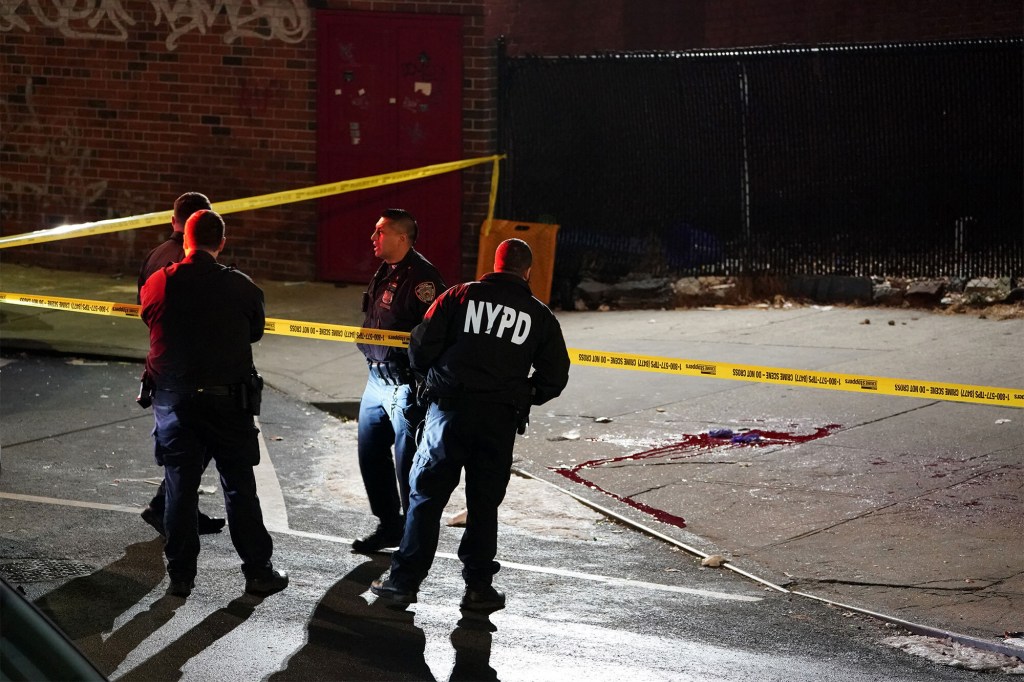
[[904, 507]]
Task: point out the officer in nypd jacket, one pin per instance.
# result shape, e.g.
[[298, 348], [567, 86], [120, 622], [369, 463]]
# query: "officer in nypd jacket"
[[476, 347], [400, 292]]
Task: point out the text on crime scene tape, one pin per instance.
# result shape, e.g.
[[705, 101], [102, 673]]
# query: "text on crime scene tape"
[[990, 395]]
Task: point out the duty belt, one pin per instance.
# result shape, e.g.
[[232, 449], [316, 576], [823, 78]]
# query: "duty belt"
[[232, 389], [391, 373]]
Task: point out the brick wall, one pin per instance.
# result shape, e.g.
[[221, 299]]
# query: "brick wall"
[[117, 112]]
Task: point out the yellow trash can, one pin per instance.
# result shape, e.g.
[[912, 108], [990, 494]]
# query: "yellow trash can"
[[540, 236]]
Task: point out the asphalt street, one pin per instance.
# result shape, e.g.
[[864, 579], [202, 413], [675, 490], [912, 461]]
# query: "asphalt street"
[[588, 598], [905, 508]]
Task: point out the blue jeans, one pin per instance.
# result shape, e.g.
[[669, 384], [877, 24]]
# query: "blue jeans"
[[479, 438], [189, 430], [388, 417]]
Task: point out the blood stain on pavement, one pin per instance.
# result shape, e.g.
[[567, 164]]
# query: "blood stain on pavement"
[[692, 445]]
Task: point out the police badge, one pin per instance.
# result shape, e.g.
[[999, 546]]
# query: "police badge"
[[426, 292]]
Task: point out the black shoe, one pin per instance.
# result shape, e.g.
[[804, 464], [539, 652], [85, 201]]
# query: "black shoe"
[[483, 599], [154, 518], [386, 589], [268, 583], [209, 525], [180, 588], [384, 536]]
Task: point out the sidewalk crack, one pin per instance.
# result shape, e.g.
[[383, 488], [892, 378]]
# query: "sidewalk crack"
[[909, 586], [878, 510]]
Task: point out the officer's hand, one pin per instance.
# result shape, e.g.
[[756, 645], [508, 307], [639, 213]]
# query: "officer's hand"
[[422, 397]]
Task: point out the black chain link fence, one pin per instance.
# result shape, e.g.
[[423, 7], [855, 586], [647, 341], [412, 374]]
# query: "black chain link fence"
[[867, 160]]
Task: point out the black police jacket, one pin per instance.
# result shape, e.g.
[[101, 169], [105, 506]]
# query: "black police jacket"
[[479, 340], [171, 251], [396, 299], [202, 317]]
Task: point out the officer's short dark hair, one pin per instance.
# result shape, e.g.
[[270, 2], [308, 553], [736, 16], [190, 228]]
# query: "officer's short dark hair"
[[402, 220], [205, 229], [188, 203], [513, 255]]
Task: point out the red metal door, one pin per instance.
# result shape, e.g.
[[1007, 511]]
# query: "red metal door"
[[389, 98]]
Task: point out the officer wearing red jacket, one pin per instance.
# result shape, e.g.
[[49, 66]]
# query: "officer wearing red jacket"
[[202, 318], [172, 251], [476, 347], [400, 292]]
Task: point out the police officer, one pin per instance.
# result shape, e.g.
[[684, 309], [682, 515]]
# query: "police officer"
[[476, 346], [400, 292], [202, 318], [171, 251]]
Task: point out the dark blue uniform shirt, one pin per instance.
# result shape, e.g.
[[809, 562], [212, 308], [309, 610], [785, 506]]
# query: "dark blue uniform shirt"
[[396, 300], [171, 251]]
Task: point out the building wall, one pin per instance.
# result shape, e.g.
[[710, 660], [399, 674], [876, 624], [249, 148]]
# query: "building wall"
[[569, 27], [562, 27], [734, 23], [116, 110]]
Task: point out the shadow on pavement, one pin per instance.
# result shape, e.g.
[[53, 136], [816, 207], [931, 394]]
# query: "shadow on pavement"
[[472, 642], [167, 664], [350, 639], [86, 607]]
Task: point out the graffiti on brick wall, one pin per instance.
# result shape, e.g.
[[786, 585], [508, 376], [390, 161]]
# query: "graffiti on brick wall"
[[64, 185], [255, 96], [285, 20], [73, 19]]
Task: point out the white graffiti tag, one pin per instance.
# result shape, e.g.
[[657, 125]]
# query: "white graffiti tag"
[[286, 20], [185, 16], [9, 19], [94, 19], [65, 184]]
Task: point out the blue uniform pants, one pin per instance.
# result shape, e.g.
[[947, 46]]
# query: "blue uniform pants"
[[479, 438], [189, 430], [388, 417]]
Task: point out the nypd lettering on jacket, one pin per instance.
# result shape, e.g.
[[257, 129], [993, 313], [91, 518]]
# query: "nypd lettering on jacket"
[[481, 317], [455, 345]]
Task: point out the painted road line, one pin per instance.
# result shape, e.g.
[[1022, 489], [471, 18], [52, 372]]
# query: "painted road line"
[[275, 514], [70, 503], [561, 572], [529, 568]]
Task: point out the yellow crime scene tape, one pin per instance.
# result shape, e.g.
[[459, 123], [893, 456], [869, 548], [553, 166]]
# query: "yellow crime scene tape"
[[250, 203], [309, 330], [857, 383], [1005, 397]]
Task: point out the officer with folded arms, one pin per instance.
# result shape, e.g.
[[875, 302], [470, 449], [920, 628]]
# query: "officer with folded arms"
[[202, 318], [400, 292], [476, 346]]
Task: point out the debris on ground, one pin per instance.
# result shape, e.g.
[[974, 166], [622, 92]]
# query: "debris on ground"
[[956, 655]]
